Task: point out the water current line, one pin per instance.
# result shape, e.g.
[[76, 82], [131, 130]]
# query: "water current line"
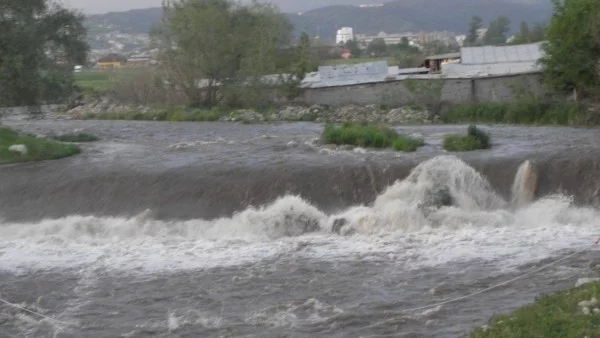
[[33, 312], [453, 300]]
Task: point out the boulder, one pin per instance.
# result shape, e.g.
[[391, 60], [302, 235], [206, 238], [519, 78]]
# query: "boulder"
[[18, 148]]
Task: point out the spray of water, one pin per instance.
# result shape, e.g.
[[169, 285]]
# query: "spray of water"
[[443, 202]]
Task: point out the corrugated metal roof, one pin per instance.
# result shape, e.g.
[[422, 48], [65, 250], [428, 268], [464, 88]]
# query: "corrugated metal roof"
[[501, 54]]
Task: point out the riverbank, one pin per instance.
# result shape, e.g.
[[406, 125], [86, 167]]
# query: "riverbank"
[[527, 112], [570, 313]]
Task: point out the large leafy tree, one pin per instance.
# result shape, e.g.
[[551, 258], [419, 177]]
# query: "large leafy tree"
[[219, 43], [40, 43], [572, 53]]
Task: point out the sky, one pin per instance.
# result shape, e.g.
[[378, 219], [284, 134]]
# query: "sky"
[[103, 6]]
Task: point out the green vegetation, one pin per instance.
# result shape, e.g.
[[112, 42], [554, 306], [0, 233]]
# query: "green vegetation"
[[532, 112], [231, 45], [40, 43], [551, 316], [407, 144], [474, 140], [369, 136], [571, 54], [95, 82], [37, 148], [81, 137]]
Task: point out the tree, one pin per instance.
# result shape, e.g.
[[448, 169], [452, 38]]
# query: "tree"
[[572, 54], [377, 47], [40, 43], [352, 46], [527, 35], [497, 32], [474, 27], [304, 61], [220, 44]]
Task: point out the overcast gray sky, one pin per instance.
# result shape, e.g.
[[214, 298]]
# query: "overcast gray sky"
[[103, 6]]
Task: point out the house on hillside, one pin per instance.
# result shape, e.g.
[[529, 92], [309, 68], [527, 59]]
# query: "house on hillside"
[[139, 61], [111, 61]]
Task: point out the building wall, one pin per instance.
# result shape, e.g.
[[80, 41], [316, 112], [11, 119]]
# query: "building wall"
[[396, 93], [109, 64]]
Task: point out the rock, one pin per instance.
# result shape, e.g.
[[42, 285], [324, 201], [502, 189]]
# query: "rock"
[[18, 148], [243, 115], [288, 114], [338, 224], [582, 281], [596, 310], [585, 310]]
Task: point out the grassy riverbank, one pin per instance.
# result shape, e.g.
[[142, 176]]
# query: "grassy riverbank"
[[37, 148], [528, 112], [554, 316]]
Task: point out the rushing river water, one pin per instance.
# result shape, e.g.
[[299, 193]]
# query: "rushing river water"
[[226, 230]]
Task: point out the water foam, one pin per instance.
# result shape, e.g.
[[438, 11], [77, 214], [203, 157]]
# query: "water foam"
[[402, 226]]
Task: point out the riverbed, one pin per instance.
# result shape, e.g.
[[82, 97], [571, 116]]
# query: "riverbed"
[[196, 230]]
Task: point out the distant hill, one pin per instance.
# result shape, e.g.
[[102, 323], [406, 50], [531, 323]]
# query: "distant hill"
[[416, 15], [137, 21], [393, 17]]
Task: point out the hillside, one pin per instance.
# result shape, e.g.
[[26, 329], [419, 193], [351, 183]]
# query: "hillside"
[[393, 17], [137, 21], [417, 15]]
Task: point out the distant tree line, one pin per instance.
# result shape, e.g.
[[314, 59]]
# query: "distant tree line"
[[497, 32]]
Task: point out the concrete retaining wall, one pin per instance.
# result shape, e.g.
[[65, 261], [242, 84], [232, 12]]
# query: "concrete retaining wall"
[[453, 90]]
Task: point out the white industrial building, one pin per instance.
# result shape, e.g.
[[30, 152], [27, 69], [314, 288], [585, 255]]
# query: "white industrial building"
[[344, 35]]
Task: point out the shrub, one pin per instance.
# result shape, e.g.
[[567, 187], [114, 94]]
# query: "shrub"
[[361, 135], [407, 144], [474, 140], [369, 136]]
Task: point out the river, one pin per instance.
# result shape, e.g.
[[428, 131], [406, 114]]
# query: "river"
[[229, 230]]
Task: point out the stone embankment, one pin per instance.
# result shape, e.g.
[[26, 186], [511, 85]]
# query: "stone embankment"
[[370, 113]]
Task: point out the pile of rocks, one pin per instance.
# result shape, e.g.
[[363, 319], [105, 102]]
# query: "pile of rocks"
[[105, 105], [243, 115]]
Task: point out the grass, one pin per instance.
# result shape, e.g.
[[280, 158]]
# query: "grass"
[[368, 136], [551, 316], [474, 140], [81, 137], [529, 112], [37, 148]]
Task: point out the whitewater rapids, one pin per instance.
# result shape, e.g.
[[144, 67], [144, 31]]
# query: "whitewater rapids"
[[389, 254]]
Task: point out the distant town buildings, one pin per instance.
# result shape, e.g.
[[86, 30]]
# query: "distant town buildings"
[[344, 35]]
